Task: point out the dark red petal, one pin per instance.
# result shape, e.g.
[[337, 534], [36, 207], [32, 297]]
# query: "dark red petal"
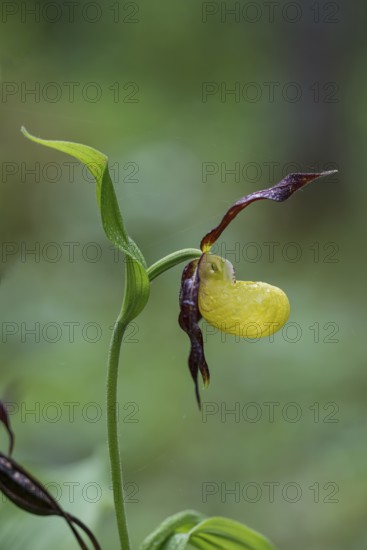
[[189, 322], [279, 192]]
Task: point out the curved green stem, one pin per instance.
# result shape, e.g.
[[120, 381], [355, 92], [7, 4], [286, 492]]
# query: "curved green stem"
[[135, 298], [171, 260], [113, 441]]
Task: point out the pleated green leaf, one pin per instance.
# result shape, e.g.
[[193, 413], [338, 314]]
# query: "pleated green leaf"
[[191, 529], [225, 533]]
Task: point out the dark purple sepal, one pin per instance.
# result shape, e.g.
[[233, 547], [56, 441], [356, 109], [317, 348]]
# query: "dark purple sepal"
[[279, 192], [189, 322]]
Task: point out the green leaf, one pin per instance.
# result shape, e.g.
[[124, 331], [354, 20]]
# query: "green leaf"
[[137, 290], [178, 541], [220, 532], [180, 523], [189, 528], [97, 163]]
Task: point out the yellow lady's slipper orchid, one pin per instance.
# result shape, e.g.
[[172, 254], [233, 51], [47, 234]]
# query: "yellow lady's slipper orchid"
[[209, 288]]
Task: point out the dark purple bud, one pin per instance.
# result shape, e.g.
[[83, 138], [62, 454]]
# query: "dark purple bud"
[[29, 494], [4, 419]]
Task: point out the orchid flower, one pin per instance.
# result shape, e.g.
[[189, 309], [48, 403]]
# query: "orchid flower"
[[209, 289]]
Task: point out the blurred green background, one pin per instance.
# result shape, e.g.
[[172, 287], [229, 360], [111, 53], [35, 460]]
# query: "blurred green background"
[[149, 84]]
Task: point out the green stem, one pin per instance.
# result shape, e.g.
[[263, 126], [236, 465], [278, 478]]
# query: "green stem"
[[133, 304], [113, 440], [171, 260]]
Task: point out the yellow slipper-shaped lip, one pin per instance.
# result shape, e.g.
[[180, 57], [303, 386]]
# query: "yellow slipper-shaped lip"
[[243, 308]]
